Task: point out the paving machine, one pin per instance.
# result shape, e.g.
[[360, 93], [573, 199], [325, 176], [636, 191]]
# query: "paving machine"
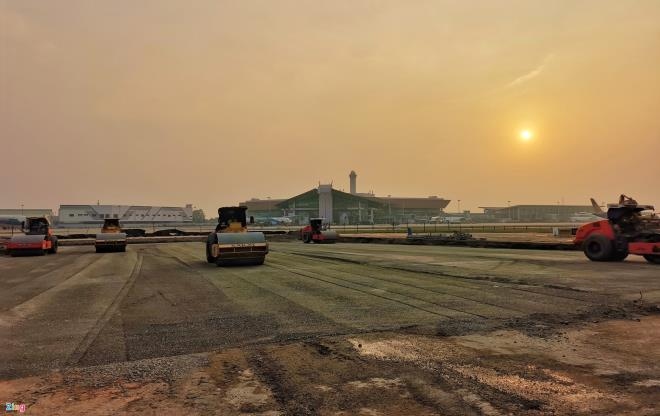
[[232, 243], [625, 231], [318, 233], [37, 240], [111, 238]]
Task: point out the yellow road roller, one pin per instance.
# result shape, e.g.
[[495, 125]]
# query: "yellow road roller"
[[111, 238], [231, 243]]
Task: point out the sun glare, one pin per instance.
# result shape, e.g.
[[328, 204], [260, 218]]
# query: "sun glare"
[[526, 135]]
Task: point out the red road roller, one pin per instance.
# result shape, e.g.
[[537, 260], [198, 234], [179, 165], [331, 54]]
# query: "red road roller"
[[37, 240], [316, 232], [625, 231]]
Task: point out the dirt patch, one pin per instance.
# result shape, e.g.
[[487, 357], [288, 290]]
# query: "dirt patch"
[[600, 368]]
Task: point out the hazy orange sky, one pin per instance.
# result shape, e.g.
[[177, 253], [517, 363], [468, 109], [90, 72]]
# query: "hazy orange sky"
[[211, 102]]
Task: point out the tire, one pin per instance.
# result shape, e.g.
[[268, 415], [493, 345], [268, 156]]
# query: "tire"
[[652, 258], [53, 249], [209, 256], [619, 255], [597, 247], [123, 249], [212, 239], [620, 249], [99, 249], [307, 238]]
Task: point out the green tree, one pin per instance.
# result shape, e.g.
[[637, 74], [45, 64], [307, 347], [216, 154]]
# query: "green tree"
[[198, 216]]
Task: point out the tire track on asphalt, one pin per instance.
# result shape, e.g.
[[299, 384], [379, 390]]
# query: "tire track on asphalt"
[[424, 289], [46, 290], [478, 286], [34, 262], [61, 260], [237, 275], [367, 292], [270, 261], [91, 336], [444, 275]]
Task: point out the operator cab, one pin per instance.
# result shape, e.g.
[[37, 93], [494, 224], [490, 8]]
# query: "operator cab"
[[111, 224], [232, 215], [36, 226], [316, 224], [627, 218]]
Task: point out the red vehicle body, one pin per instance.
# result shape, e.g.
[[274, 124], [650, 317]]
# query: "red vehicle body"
[[37, 240], [624, 232], [315, 233]]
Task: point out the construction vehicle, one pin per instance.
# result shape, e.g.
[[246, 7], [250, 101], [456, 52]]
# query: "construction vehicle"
[[38, 238], [111, 238], [231, 243], [317, 232], [625, 231]]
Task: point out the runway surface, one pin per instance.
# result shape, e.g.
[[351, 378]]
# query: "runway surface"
[[79, 309]]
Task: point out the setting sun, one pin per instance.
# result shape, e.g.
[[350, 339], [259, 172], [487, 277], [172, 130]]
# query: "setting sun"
[[526, 135]]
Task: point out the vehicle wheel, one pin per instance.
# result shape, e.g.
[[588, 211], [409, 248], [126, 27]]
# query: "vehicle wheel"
[[652, 258], [307, 238], [123, 249], [209, 256], [98, 249], [212, 239], [597, 247], [619, 255], [53, 248]]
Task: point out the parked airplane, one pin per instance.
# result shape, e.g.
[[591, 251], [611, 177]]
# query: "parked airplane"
[[585, 217], [274, 220], [448, 220], [11, 220], [598, 211]]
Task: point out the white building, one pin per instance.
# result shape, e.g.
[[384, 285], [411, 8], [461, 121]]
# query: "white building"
[[28, 212], [90, 214]]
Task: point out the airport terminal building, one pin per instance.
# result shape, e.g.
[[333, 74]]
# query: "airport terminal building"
[[95, 214], [344, 208]]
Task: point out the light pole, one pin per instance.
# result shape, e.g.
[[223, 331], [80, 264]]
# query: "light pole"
[[389, 209], [459, 206]]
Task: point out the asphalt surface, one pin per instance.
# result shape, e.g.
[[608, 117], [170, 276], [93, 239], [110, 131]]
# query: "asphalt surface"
[[79, 308], [369, 329]]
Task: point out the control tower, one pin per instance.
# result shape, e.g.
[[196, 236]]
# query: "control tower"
[[353, 177]]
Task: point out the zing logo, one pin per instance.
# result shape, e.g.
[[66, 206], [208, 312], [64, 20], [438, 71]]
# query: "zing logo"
[[15, 407]]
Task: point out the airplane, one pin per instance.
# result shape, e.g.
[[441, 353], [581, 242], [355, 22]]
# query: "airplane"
[[598, 212], [11, 220], [585, 217], [448, 220], [274, 220]]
